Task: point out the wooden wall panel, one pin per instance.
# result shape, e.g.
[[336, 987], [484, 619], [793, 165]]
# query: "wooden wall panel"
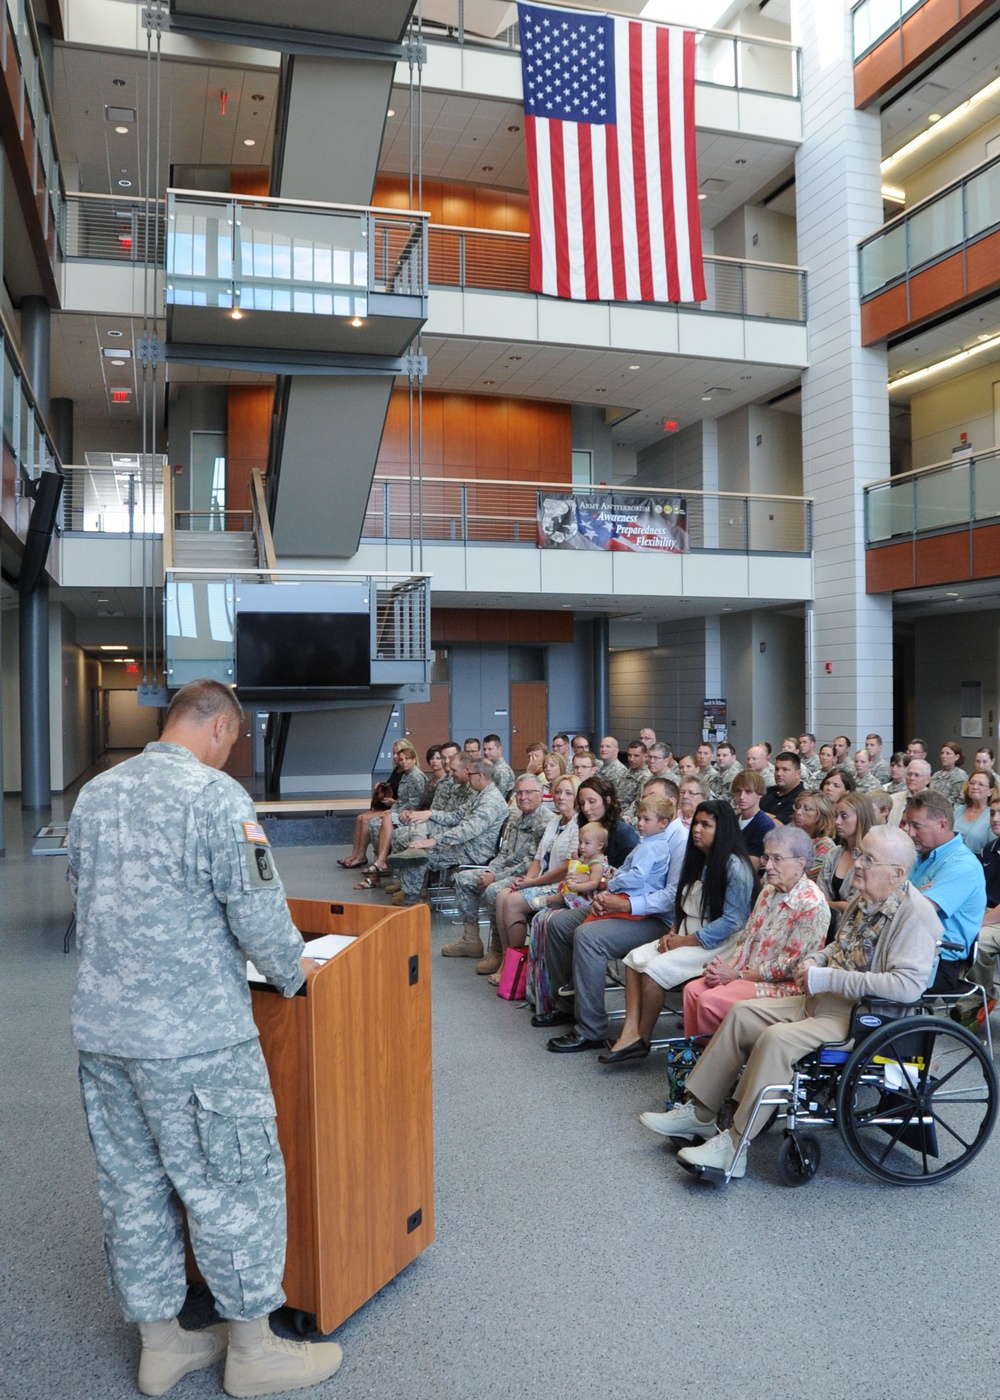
[[888, 567], [938, 286], [249, 430], [986, 551], [460, 205], [498, 625], [941, 559], [250, 179], [907, 46], [982, 264], [883, 315], [492, 438]]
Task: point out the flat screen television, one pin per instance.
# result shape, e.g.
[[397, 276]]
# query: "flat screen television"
[[279, 652]]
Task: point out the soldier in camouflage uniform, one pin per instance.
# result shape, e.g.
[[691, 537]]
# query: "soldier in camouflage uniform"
[[471, 840], [451, 797], [474, 887], [611, 767], [503, 773], [864, 779], [175, 889], [727, 767], [812, 773], [951, 778], [631, 787], [879, 766], [660, 762]]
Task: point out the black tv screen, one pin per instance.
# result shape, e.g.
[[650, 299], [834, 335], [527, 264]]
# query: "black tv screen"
[[279, 651]]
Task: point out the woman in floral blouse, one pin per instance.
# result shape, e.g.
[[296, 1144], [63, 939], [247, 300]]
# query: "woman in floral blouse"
[[789, 921]]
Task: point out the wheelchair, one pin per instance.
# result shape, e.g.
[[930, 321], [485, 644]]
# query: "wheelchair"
[[913, 1095]]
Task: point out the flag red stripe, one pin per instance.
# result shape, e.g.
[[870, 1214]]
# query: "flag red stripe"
[[635, 117], [534, 224], [615, 214], [587, 212], [691, 158], [663, 40], [559, 208]]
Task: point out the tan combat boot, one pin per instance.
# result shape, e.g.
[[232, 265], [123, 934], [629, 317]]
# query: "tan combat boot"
[[470, 945], [168, 1353], [493, 960], [259, 1363]]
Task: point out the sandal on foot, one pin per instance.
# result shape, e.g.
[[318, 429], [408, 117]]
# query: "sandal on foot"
[[494, 979], [368, 883], [352, 862]]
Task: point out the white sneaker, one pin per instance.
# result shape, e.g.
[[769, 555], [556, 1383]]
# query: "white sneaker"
[[679, 1122], [715, 1157]]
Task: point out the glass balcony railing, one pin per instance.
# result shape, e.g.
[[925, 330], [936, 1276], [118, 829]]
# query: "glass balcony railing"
[[448, 511], [948, 220], [280, 255], [124, 499], [491, 260], [209, 613], [946, 496], [872, 20], [746, 62], [28, 449]]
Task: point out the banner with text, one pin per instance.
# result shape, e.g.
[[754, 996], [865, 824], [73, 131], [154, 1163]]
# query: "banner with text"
[[610, 520]]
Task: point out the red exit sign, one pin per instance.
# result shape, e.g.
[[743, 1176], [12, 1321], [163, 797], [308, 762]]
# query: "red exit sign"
[[120, 395]]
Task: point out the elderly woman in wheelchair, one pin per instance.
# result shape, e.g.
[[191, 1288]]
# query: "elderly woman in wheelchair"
[[914, 1100]]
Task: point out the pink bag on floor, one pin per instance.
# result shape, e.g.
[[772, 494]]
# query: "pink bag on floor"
[[514, 975]]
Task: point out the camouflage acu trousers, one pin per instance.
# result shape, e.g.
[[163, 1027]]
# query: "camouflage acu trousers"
[[198, 1131], [469, 896]]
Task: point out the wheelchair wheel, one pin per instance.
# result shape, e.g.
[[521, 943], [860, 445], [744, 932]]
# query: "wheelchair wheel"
[[798, 1158], [917, 1100]]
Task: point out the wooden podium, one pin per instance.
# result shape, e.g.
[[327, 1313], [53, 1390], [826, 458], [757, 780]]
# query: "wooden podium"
[[350, 1066]]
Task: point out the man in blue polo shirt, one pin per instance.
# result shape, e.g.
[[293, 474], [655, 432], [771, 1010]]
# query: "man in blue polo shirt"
[[950, 876], [984, 969]]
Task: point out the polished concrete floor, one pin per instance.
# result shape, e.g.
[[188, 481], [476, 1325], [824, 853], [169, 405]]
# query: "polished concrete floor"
[[573, 1257]]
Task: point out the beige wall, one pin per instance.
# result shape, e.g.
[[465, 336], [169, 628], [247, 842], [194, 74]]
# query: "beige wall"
[[939, 414]]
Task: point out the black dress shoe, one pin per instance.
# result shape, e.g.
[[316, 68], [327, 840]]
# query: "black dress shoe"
[[551, 1018], [638, 1050], [570, 1043]]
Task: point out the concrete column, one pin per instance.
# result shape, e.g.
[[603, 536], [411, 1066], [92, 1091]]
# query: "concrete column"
[[845, 402], [602, 678], [61, 427], [35, 347], [36, 761]]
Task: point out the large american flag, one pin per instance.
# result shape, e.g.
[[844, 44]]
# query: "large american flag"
[[612, 176]]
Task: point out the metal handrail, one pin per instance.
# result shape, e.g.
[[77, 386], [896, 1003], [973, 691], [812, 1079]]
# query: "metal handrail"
[[261, 523], [907, 515]]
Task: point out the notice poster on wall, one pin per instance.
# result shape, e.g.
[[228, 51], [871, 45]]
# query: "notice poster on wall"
[[609, 520], [714, 725]]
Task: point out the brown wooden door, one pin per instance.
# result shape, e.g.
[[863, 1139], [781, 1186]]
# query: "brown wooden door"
[[430, 722], [528, 719]]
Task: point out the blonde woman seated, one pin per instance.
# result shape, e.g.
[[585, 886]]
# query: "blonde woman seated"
[[813, 814], [852, 822], [714, 897], [553, 768], [789, 921]]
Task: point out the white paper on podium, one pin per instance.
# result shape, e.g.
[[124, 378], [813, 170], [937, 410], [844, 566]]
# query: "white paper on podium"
[[322, 949]]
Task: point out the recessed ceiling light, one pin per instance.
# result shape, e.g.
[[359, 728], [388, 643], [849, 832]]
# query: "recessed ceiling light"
[[391, 112], [706, 398], [256, 97], [249, 141], [703, 196], [953, 595], [236, 314], [513, 128], [356, 322], [116, 335], [487, 168], [125, 184], [118, 82], [513, 357], [933, 116], [117, 362], [122, 130], [489, 382], [633, 366], [112, 646]]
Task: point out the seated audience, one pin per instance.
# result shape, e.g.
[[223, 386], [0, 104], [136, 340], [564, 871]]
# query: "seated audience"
[[984, 969], [639, 892], [984, 763], [825, 760], [687, 767], [881, 805], [558, 846], [611, 766], [885, 948], [471, 840], [918, 778], [560, 745], [877, 764], [950, 778], [472, 748], [503, 773], [759, 761], [747, 791], [972, 815], [714, 896], [836, 782], [409, 794], [897, 773], [581, 743], [864, 779], [534, 757], [952, 879], [813, 813], [585, 764], [554, 767], [809, 761], [473, 887], [789, 921], [852, 820], [779, 800], [636, 777], [586, 873], [726, 768], [383, 796]]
